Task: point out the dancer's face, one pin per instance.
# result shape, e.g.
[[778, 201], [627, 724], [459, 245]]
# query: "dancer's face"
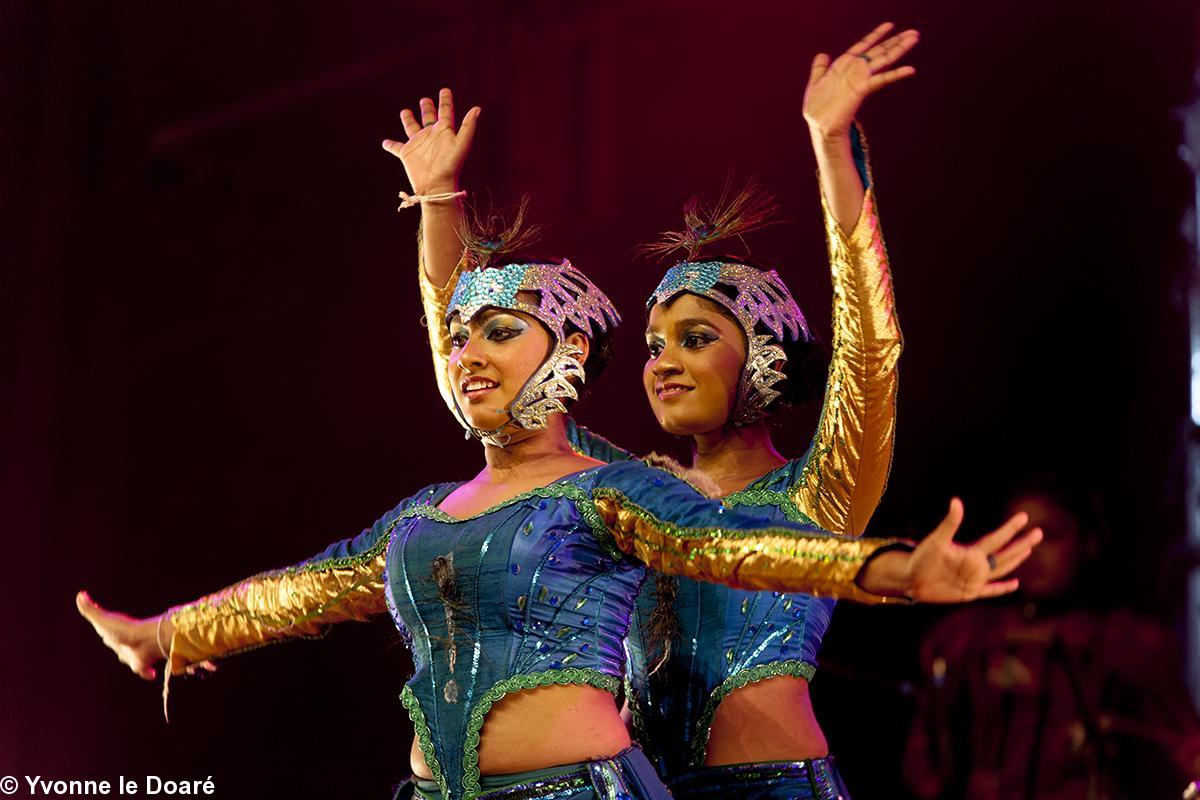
[[696, 358], [492, 357]]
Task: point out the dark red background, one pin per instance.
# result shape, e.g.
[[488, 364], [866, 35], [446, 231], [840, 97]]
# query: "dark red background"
[[213, 362]]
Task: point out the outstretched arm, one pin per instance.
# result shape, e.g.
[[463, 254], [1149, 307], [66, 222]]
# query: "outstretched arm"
[[342, 582], [433, 156], [668, 525], [847, 466]]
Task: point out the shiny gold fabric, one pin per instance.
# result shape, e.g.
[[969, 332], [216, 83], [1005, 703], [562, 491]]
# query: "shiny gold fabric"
[[434, 301], [779, 559], [296, 602], [844, 479]]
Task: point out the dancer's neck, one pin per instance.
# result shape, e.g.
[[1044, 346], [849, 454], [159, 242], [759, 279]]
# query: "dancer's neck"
[[533, 454], [735, 457]]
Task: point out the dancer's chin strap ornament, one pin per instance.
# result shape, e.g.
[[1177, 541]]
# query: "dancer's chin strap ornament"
[[565, 295], [759, 297]]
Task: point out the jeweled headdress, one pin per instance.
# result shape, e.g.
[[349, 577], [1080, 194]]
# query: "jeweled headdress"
[[753, 296], [564, 296]]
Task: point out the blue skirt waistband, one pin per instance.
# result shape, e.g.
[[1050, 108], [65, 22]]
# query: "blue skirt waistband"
[[811, 779], [627, 774]]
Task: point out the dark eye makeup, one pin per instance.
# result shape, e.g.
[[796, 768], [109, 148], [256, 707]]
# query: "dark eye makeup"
[[497, 328]]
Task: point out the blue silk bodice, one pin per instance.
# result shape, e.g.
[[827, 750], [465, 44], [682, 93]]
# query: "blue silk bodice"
[[721, 638], [540, 601]]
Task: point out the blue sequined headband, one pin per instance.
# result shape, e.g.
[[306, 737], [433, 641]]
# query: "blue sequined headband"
[[761, 295], [564, 295]]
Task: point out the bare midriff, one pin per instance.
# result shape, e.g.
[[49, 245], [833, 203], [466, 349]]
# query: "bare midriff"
[[769, 720], [544, 727]]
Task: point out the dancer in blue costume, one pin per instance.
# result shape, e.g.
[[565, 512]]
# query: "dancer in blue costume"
[[718, 677]]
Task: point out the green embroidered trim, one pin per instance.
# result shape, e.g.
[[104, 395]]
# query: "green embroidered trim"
[[561, 677], [793, 667], [637, 724], [603, 535], [558, 489], [424, 739], [429, 512], [857, 546], [346, 561], [370, 554], [769, 497], [812, 468]]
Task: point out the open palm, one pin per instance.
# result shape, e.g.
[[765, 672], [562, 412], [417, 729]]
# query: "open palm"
[[836, 89], [434, 153], [944, 571]]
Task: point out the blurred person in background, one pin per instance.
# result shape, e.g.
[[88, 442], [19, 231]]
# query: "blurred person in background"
[[1059, 692]]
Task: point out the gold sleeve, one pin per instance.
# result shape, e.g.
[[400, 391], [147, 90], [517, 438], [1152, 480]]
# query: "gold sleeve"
[[434, 302], [851, 455], [780, 559], [297, 602]]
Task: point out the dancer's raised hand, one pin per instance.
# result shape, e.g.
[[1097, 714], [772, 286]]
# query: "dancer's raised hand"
[[139, 643], [837, 88], [941, 570], [434, 153]]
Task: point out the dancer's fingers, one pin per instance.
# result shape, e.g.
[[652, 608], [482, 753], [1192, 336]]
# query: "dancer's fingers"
[[864, 44], [1002, 535], [466, 131], [891, 76], [86, 606], [820, 66], [1015, 553], [946, 529], [891, 49], [997, 588], [428, 112], [411, 126], [446, 107]]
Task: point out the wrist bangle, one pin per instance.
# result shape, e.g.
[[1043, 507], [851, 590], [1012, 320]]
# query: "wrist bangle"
[[409, 200], [158, 636]]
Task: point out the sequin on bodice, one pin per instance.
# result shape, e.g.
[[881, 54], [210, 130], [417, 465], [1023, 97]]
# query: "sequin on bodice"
[[536, 600]]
